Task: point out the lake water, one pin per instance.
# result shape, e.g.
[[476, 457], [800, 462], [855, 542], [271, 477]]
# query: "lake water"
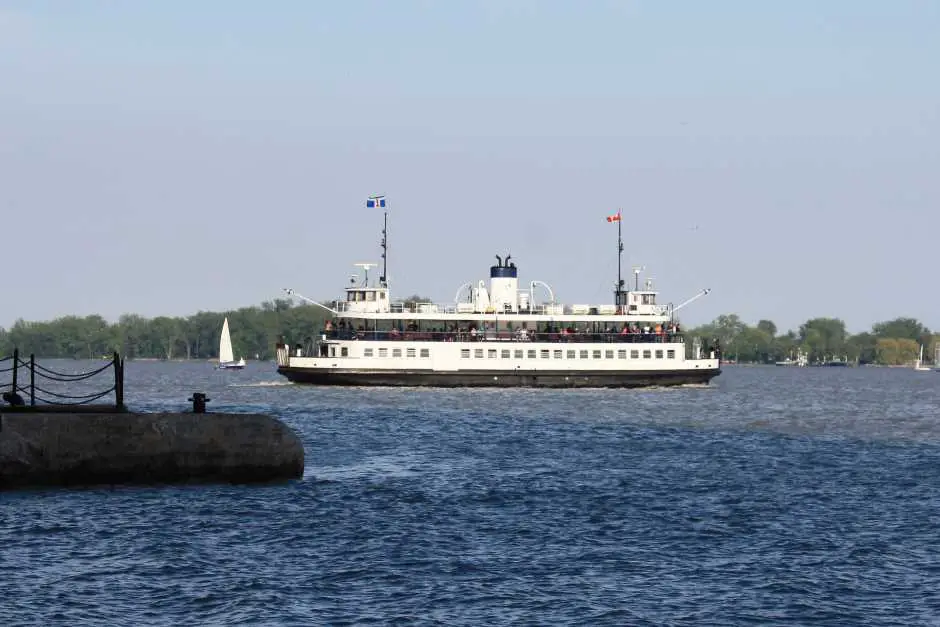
[[774, 496]]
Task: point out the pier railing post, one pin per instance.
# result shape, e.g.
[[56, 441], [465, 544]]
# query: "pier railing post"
[[32, 379], [16, 366], [118, 381]]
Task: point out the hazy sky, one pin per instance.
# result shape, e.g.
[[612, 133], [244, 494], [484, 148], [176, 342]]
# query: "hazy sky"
[[167, 157]]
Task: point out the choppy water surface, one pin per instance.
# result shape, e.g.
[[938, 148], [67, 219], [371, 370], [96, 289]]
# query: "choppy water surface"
[[775, 496]]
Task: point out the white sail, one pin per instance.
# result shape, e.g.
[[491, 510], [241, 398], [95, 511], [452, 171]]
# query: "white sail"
[[226, 355]]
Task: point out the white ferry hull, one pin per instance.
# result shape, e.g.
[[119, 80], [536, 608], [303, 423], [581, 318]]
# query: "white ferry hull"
[[499, 378]]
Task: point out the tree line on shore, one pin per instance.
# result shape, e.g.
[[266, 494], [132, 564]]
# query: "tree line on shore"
[[255, 331]]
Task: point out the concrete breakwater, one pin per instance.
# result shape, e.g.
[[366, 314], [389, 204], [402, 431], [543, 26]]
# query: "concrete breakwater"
[[74, 449]]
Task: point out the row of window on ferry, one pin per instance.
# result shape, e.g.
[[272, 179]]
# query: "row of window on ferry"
[[492, 353]]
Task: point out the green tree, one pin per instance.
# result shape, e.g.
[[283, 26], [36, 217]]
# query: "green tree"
[[823, 338], [906, 328]]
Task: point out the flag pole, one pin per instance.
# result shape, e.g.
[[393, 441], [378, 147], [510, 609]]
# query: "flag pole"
[[619, 295], [383, 280]]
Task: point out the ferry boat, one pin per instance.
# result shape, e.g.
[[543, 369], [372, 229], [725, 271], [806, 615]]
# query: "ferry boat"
[[496, 335]]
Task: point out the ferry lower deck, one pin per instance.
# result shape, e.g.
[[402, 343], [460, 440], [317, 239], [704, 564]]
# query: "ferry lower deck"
[[497, 364]]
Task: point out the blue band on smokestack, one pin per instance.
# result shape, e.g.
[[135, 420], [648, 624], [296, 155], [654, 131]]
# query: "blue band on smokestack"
[[503, 272]]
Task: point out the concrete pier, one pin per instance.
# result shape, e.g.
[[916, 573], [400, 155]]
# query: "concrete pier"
[[65, 449]]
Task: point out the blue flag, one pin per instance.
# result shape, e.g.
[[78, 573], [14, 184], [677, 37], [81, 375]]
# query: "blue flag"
[[376, 201]]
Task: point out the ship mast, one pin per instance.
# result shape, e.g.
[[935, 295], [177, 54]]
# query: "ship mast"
[[376, 202], [383, 280], [618, 291]]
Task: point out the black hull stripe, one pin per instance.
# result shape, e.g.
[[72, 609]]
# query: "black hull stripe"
[[556, 379]]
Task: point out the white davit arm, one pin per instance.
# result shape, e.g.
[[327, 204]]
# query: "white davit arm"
[[693, 299], [291, 292]]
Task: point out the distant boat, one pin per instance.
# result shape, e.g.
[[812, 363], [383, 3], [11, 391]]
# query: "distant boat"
[[226, 356], [919, 364], [800, 360]]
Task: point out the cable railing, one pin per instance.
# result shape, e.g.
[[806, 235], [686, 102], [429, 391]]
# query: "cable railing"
[[26, 383]]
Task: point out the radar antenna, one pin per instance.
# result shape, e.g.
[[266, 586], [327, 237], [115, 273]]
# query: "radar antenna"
[[365, 269]]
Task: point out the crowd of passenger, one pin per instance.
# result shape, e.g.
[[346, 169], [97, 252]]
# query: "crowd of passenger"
[[590, 332]]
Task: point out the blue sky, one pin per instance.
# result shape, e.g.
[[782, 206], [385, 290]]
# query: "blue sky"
[[170, 157]]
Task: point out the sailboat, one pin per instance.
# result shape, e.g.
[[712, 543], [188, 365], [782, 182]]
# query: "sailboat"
[[226, 356], [919, 364]]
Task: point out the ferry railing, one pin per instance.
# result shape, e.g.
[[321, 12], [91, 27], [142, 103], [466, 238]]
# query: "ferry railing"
[[504, 336], [544, 309], [26, 383]]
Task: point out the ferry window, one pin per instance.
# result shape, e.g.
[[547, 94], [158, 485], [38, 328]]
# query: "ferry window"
[[557, 355], [504, 354], [332, 351], [491, 353], [367, 352], [634, 354], [596, 354], [478, 353], [396, 352], [517, 354], [344, 351], [383, 352], [370, 296], [584, 354], [425, 352], [544, 354], [381, 295], [531, 354], [608, 354], [411, 352], [670, 354], [647, 354], [570, 354], [465, 353], [659, 354], [621, 354]]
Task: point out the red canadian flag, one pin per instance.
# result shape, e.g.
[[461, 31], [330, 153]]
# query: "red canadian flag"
[[615, 217]]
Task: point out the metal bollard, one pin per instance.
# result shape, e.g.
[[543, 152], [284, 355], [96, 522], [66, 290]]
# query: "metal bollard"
[[199, 402]]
